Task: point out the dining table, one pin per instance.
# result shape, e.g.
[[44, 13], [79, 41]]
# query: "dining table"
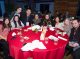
[[17, 38]]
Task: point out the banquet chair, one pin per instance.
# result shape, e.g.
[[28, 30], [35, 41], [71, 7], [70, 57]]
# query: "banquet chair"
[[69, 50], [1, 52], [4, 51]]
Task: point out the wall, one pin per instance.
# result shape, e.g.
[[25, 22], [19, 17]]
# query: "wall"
[[66, 5], [51, 6], [2, 7]]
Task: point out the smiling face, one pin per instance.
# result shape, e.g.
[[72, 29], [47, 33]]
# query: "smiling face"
[[57, 19], [46, 16], [28, 12], [75, 23], [6, 21], [19, 10], [36, 16], [16, 18], [66, 21]]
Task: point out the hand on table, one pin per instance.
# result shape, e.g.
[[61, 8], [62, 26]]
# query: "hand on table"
[[73, 44]]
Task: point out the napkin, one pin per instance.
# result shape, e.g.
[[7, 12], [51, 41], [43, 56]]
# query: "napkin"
[[34, 44], [27, 47], [29, 28], [38, 44], [52, 28], [35, 27], [62, 38], [53, 37], [41, 46], [25, 37], [13, 34]]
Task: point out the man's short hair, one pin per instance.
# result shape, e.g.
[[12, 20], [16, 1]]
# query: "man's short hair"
[[76, 19]]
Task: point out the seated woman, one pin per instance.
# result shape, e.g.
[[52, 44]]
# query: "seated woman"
[[67, 26], [36, 20], [46, 21], [16, 12], [4, 30], [58, 24], [16, 23]]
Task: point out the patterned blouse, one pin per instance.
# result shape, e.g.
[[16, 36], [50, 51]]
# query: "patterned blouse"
[[4, 32]]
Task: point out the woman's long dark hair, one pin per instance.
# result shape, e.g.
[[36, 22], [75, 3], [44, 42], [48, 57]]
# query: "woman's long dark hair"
[[19, 22], [54, 22], [4, 25]]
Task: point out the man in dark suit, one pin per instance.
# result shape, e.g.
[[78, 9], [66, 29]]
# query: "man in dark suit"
[[75, 39], [27, 18]]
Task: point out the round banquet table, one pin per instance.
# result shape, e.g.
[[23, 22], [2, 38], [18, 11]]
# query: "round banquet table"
[[52, 51]]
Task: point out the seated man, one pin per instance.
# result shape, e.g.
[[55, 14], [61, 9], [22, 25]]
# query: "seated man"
[[27, 18], [75, 39]]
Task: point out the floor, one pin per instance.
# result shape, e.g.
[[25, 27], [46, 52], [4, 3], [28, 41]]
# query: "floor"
[[65, 57], [68, 57]]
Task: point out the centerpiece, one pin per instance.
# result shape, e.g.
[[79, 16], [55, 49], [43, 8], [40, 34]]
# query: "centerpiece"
[[35, 28]]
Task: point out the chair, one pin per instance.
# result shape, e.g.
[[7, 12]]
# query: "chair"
[[69, 50], [4, 50]]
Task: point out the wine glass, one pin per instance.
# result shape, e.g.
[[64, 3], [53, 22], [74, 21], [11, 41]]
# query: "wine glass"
[[55, 41], [21, 37], [46, 40]]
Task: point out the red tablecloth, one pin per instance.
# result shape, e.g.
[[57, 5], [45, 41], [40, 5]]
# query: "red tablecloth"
[[52, 52]]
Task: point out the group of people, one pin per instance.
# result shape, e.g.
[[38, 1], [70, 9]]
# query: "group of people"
[[19, 19]]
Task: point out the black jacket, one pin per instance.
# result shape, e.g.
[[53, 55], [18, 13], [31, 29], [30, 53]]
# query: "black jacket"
[[75, 37], [24, 19]]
